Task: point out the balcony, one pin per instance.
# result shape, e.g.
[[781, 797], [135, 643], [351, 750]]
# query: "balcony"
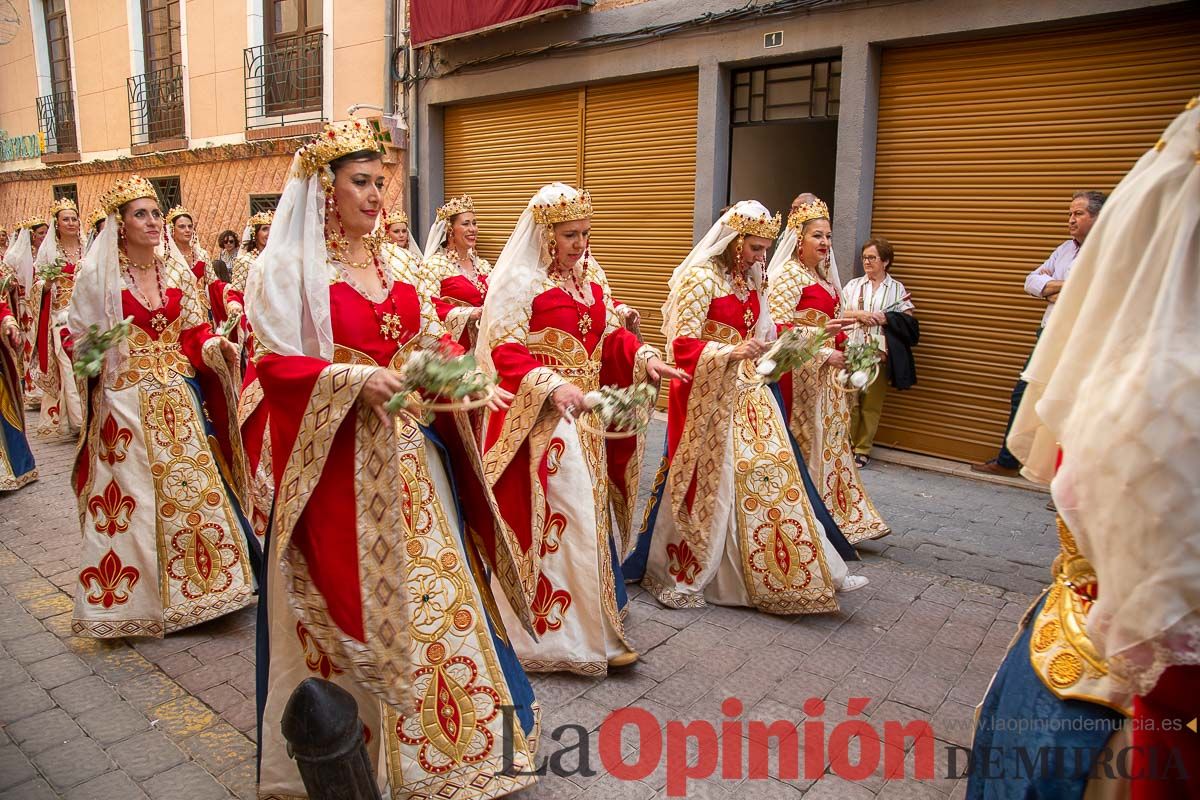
[[156, 110], [285, 86], [56, 122]]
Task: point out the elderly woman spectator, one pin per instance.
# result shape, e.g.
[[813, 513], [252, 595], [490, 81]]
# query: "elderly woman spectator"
[[880, 305]]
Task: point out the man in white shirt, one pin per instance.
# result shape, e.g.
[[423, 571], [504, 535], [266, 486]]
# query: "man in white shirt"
[[1045, 283]]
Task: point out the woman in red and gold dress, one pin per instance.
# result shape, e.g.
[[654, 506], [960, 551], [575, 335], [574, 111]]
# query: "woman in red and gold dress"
[[550, 329], [396, 231], [254, 240], [729, 521], [460, 276], [17, 467], [371, 581], [159, 474], [805, 292], [182, 229], [18, 258], [57, 259]]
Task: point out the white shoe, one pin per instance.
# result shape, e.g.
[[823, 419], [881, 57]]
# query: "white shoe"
[[853, 583]]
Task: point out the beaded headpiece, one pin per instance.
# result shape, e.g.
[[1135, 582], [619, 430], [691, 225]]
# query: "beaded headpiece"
[[30, 223], [126, 190], [805, 212], [96, 215], [261, 218], [178, 211], [457, 205], [564, 210], [764, 226], [338, 139], [63, 204], [394, 216]]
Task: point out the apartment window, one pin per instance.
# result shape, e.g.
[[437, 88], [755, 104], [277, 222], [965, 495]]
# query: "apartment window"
[[56, 111], [156, 97], [287, 68], [67, 190], [263, 202], [169, 192]]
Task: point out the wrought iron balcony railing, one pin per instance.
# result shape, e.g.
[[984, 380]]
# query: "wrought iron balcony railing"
[[156, 106], [285, 81], [56, 121]]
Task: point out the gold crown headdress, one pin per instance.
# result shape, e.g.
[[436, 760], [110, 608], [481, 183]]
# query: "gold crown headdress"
[[96, 215], [765, 225], [338, 139], [564, 210], [805, 212], [63, 204], [456, 205], [31, 223], [394, 216], [261, 218], [177, 212], [127, 190]]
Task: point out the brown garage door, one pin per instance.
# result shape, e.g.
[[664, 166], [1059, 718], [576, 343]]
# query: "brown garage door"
[[980, 146]]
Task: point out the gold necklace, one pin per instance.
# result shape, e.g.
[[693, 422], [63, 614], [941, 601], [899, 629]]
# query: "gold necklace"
[[127, 262]]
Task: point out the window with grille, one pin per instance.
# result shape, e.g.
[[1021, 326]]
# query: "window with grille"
[[161, 32], [169, 192], [263, 202], [58, 43], [777, 92], [68, 190]]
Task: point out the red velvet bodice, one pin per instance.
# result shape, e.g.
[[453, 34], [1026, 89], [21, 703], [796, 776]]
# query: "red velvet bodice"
[[554, 308], [458, 287], [731, 311], [356, 320], [818, 297], [142, 317]]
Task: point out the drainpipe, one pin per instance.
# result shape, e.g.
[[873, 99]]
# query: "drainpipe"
[[389, 47], [411, 101]]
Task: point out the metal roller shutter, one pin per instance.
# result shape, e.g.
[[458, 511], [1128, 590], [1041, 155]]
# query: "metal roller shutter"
[[502, 151], [980, 146], [632, 145]]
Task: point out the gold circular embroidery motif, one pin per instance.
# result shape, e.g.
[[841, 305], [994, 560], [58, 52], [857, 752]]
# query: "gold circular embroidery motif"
[[1065, 670], [1046, 636], [435, 653]]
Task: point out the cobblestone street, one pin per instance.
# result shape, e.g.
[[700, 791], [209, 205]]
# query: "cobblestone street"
[[174, 718]]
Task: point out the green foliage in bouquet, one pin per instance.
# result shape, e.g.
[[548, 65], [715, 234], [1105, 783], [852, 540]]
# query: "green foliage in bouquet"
[[793, 348], [53, 270], [862, 364], [91, 347], [623, 409], [230, 325], [441, 372]]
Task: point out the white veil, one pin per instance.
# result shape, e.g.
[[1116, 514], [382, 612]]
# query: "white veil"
[[711, 245], [287, 292], [19, 256], [433, 240], [1115, 381], [96, 298], [785, 250], [518, 274]]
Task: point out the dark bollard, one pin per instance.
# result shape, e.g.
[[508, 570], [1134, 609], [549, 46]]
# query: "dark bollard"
[[325, 736]]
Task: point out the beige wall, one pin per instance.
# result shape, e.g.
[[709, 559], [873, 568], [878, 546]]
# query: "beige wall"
[[18, 81], [358, 55], [101, 36], [216, 37]]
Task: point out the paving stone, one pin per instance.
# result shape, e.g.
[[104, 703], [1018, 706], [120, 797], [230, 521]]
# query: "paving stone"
[[924, 692], [109, 786], [50, 728], [185, 780], [72, 763], [79, 696], [146, 754], [120, 665], [177, 664], [222, 698], [150, 690], [221, 671], [182, 717], [221, 747], [15, 768], [36, 789], [37, 647], [11, 673], [22, 700], [831, 661], [57, 670], [242, 780], [109, 724]]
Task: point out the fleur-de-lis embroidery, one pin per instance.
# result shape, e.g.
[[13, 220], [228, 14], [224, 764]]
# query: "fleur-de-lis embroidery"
[[549, 606], [683, 566], [315, 658], [114, 441], [113, 509], [556, 524], [110, 583]]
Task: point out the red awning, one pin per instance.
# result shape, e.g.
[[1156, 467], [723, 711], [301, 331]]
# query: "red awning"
[[435, 21]]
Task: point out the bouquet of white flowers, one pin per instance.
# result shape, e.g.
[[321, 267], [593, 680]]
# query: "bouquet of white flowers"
[[91, 347], [620, 412], [862, 366], [792, 349], [53, 270]]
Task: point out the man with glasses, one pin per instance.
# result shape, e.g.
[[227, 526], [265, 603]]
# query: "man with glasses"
[[1045, 283]]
